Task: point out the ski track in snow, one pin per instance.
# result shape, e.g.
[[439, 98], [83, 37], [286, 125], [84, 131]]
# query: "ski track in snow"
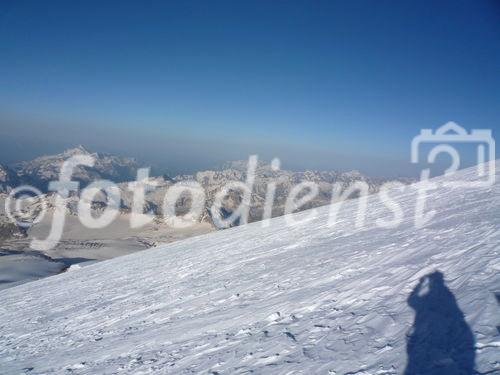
[[307, 299]]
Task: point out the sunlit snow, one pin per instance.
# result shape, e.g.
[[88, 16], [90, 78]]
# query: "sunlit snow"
[[306, 299]]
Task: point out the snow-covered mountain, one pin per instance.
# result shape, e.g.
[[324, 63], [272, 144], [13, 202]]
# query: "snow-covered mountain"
[[301, 299], [8, 179], [38, 172], [213, 181]]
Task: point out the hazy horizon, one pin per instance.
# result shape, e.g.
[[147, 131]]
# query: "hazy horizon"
[[187, 86]]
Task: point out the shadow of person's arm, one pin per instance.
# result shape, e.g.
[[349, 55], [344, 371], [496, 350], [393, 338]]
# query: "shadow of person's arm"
[[414, 298]]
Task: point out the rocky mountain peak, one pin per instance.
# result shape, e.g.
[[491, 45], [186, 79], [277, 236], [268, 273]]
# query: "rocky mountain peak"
[[78, 150]]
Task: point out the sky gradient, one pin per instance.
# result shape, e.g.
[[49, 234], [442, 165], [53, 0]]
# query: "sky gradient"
[[188, 85]]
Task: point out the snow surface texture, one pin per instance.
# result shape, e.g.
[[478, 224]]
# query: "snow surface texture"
[[306, 299], [19, 264]]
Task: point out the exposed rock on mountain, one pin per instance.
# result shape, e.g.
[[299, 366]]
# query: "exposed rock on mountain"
[[285, 180], [8, 179], [9, 230], [40, 171]]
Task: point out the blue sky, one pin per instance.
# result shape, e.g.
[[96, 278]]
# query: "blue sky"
[[187, 85]]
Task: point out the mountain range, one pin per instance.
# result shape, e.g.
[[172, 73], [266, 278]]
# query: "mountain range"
[[39, 171]]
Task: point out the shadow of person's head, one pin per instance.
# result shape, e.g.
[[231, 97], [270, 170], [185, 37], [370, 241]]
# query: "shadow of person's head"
[[436, 278]]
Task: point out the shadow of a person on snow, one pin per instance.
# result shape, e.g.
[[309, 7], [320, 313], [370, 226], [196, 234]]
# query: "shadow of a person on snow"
[[440, 341]]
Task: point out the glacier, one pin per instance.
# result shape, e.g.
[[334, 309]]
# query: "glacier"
[[306, 298]]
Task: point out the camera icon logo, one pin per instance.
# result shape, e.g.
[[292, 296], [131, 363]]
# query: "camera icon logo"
[[452, 133]]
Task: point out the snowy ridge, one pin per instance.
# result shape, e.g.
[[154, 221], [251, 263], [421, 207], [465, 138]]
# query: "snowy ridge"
[[41, 170], [307, 299]]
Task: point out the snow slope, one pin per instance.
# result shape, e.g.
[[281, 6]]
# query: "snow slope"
[[306, 299]]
